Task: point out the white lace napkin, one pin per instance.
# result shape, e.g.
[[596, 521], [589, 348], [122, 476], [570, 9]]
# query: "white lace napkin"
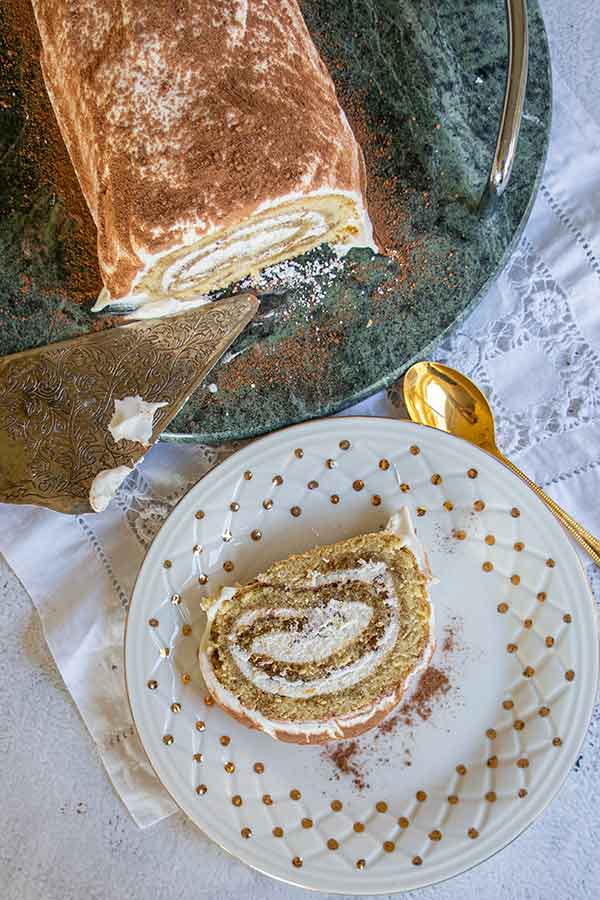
[[533, 345]]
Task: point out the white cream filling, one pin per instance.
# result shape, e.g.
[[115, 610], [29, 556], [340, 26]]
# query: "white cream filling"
[[324, 630], [133, 419]]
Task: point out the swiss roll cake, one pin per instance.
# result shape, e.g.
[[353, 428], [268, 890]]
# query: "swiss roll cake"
[[207, 138], [322, 645]]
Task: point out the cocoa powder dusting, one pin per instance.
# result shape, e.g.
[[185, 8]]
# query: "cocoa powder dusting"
[[432, 684], [343, 758], [43, 162]]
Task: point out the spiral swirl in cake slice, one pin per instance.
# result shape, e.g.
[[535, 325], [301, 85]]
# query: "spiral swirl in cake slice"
[[322, 645]]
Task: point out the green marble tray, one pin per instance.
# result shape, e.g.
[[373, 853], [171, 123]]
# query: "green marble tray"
[[428, 77]]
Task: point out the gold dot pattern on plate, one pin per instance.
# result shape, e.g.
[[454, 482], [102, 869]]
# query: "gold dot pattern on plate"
[[515, 512], [452, 799], [523, 763], [227, 536], [459, 534], [508, 704], [381, 806], [167, 564], [313, 485], [479, 506], [491, 797], [518, 724], [491, 734], [203, 578], [528, 672], [229, 768], [403, 822], [404, 487], [201, 789], [330, 463], [175, 599], [225, 740], [152, 684], [267, 800], [334, 499], [492, 762], [248, 475], [528, 623], [567, 618], [358, 484], [502, 608], [388, 846], [186, 630], [519, 546], [298, 452], [186, 677], [556, 742], [550, 563], [544, 711], [376, 500], [472, 473], [153, 623], [384, 464], [168, 739], [344, 445], [164, 652], [277, 480], [336, 805], [208, 700], [228, 565], [297, 862], [361, 864], [237, 800], [307, 823], [414, 450], [358, 827], [473, 833], [295, 511], [417, 861], [487, 566], [436, 478], [199, 514], [435, 835], [511, 648], [278, 831], [295, 794], [515, 579], [259, 768], [461, 770], [420, 510], [448, 505], [541, 596], [256, 534], [490, 540], [421, 796], [522, 792], [198, 757], [569, 675], [246, 832], [200, 725], [234, 507], [267, 503], [175, 707]]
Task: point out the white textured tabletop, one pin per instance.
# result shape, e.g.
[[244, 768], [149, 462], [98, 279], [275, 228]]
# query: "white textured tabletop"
[[66, 835]]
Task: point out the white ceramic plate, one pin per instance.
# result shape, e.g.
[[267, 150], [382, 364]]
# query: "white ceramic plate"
[[517, 639]]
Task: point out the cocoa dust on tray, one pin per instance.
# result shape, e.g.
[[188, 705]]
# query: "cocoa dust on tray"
[[42, 158]]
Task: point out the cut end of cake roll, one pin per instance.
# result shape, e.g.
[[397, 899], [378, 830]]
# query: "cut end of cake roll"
[[324, 644], [274, 232]]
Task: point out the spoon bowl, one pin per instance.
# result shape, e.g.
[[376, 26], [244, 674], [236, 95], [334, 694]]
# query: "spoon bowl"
[[443, 398]]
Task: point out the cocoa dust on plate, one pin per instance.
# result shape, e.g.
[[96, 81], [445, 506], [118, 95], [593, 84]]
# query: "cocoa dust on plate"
[[346, 757]]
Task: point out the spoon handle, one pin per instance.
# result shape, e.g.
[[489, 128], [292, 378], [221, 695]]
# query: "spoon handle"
[[584, 537]]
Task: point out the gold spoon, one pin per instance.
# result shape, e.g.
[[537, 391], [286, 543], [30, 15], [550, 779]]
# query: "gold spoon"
[[439, 396]]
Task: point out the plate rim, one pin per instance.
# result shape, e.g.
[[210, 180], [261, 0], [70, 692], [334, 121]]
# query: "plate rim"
[[551, 794]]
